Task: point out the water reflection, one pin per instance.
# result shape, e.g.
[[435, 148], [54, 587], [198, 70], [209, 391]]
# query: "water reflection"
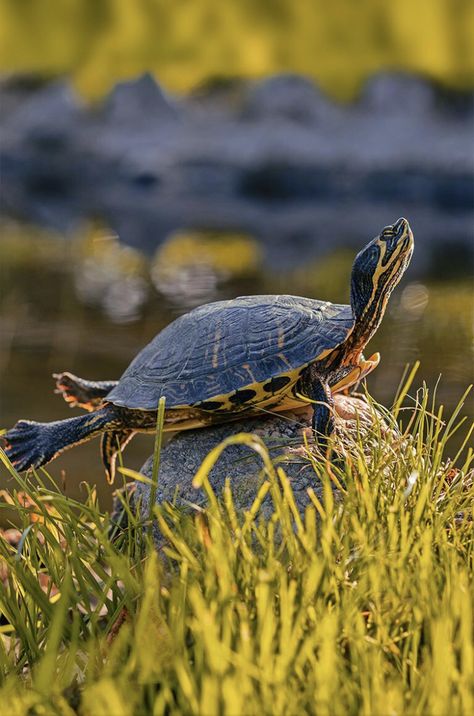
[[192, 267], [90, 304], [108, 276]]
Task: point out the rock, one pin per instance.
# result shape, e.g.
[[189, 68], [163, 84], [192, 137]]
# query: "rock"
[[283, 436], [289, 97], [137, 102], [392, 93], [148, 164], [47, 118]]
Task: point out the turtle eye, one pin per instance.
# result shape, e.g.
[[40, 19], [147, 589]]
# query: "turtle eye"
[[387, 233]]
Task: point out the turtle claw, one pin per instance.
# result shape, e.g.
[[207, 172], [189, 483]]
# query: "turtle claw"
[[66, 386], [81, 393], [23, 445]]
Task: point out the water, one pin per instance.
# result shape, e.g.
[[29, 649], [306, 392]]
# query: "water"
[[88, 304]]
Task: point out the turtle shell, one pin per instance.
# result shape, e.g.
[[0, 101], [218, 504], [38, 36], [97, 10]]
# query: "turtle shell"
[[222, 347]]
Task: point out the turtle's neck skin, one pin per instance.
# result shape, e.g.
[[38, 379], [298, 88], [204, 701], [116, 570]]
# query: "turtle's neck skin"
[[376, 271], [370, 291]]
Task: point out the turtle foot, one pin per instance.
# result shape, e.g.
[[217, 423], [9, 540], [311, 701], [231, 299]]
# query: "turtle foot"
[[81, 393], [27, 445], [71, 388]]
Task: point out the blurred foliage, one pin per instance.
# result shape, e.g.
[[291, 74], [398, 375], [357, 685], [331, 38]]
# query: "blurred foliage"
[[100, 245], [229, 253], [22, 247], [191, 41]]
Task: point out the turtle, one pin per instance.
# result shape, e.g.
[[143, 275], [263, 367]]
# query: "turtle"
[[231, 359]]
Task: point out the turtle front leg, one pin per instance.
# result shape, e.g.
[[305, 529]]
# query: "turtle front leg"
[[318, 391]]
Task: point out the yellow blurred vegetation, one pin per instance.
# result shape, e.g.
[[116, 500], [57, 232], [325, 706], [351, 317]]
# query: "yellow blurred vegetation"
[[232, 254], [102, 246], [20, 246], [189, 42]]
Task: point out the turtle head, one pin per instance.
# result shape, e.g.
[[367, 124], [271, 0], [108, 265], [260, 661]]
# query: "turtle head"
[[376, 271]]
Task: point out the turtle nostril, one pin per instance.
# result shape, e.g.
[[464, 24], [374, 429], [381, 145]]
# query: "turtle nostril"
[[398, 226]]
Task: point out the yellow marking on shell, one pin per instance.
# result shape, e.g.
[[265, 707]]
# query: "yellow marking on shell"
[[289, 402], [246, 367], [187, 420], [189, 417], [215, 352], [281, 338], [184, 422], [284, 359], [261, 397], [283, 399]]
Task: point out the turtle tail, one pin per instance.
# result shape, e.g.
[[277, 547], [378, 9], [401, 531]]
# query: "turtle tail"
[[31, 444]]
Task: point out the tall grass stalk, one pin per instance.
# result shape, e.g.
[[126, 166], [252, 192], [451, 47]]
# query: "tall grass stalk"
[[160, 419], [363, 605]]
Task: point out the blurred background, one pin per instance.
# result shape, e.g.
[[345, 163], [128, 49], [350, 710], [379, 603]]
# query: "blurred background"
[[158, 155]]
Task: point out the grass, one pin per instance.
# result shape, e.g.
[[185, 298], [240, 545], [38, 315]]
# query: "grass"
[[362, 606]]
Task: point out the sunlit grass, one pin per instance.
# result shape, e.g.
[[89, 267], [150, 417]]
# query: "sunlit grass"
[[361, 605]]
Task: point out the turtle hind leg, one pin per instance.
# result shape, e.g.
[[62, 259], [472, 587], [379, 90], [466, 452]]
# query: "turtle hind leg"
[[111, 444], [78, 392], [31, 444]]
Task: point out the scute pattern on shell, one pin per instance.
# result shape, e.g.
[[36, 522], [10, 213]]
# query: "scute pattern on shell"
[[224, 346]]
